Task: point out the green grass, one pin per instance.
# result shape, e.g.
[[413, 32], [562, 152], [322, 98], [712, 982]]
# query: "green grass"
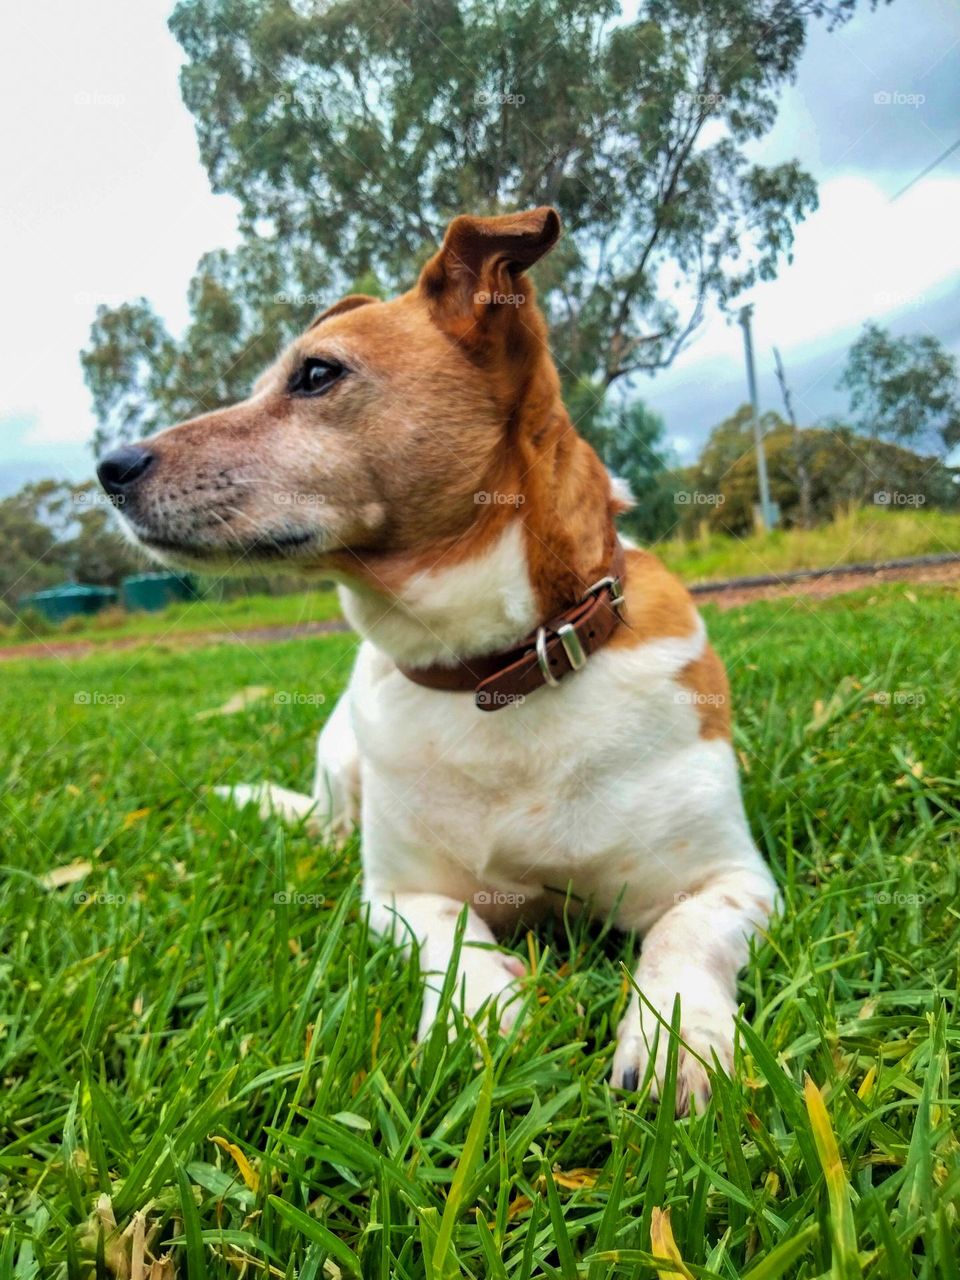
[[862, 534], [207, 614], [170, 997], [872, 533]]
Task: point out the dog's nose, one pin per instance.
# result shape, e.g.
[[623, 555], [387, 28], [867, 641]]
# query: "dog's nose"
[[119, 470]]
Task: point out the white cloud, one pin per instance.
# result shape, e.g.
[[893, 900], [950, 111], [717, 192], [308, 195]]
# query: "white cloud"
[[105, 197], [859, 257]]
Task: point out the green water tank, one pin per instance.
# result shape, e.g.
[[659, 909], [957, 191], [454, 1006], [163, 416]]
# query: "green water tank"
[[152, 591], [59, 603]]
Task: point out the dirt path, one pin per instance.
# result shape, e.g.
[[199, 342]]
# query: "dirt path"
[[823, 587], [723, 595]]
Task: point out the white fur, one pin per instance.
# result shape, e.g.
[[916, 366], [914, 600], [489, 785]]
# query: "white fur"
[[475, 607], [603, 786]]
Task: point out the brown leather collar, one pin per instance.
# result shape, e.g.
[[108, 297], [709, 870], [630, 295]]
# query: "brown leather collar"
[[553, 651]]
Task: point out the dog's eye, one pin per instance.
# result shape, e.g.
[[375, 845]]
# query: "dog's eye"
[[316, 376]]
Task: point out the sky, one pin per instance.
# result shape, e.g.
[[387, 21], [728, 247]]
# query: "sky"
[[103, 199]]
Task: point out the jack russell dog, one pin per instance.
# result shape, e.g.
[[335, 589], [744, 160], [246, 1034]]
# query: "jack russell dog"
[[535, 709]]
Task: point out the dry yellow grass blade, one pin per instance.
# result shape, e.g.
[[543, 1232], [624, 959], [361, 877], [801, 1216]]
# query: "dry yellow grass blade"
[[843, 1233], [239, 702], [133, 817], [69, 874], [574, 1179], [247, 1171], [866, 1084], [663, 1245]]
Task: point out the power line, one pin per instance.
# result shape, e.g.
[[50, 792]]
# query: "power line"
[[929, 169], [766, 511]]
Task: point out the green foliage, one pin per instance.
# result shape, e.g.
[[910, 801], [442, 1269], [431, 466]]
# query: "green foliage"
[[630, 439], [212, 976], [351, 132], [242, 307], [54, 532], [904, 389], [814, 473]]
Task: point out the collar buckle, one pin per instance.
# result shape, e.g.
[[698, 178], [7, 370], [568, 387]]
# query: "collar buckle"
[[612, 584]]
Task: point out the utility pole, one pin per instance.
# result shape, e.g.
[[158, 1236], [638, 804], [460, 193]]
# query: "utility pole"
[[766, 512]]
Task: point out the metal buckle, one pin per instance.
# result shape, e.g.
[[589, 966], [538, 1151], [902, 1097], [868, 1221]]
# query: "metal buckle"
[[572, 646], [616, 591], [543, 660]]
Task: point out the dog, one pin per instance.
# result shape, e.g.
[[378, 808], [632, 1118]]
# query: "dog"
[[535, 710]]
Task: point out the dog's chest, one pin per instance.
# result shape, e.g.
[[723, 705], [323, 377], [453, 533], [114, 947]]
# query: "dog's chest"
[[543, 794]]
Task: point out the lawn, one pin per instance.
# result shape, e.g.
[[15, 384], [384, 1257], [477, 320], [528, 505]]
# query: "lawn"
[[209, 614], [201, 1039], [861, 534]]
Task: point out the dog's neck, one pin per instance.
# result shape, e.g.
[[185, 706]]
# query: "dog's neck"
[[544, 536]]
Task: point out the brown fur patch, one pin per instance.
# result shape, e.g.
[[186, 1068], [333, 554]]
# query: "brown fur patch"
[[349, 303], [706, 679], [657, 605]]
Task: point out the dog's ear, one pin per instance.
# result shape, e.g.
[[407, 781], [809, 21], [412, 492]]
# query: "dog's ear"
[[349, 303], [479, 265]]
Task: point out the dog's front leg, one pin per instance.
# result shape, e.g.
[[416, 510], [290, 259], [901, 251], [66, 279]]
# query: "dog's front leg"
[[694, 950], [429, 920]]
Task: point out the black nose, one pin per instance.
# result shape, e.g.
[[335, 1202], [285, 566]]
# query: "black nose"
[[119, 470]]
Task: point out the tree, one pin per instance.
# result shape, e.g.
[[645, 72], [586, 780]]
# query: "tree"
[[904, 389], [54, 532], [351, 132], [630, 438], [814, 473]]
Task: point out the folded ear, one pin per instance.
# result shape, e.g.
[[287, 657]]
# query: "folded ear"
[[348, 303], [478, 267]]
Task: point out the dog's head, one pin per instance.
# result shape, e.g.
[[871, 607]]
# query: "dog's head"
[[373, 433]]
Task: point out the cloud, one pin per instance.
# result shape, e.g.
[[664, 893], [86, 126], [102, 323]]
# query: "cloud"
[[858, 258]]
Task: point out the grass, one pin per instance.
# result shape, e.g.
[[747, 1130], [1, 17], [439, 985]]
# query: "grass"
[[203, 1029], [207, 614], [861, 534]]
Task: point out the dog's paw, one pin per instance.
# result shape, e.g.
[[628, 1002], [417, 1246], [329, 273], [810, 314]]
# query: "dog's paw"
[[705, 1035], [484, 975], [272, 801]]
